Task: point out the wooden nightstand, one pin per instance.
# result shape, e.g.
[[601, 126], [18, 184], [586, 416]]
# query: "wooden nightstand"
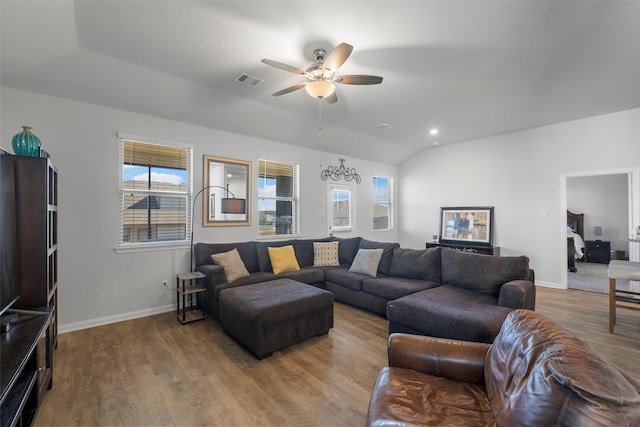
[[190, 303]]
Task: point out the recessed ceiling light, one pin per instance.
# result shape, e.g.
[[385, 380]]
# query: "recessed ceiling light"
[[433, 131], [384, 126]]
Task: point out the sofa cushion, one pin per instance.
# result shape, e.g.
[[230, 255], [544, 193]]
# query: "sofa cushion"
[[304, 250], [387, 254], [308, 275], [348, 248], [395, 287], [405, 397], [264, 263], [247, 251], [448, 312], [420, 264], [343, 277], [325, 254], [366, 262], [554, 378], [481, 273], [283, 259], [233, 266]]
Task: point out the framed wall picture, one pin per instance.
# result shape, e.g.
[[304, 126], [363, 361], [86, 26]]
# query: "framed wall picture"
[[467, 224]]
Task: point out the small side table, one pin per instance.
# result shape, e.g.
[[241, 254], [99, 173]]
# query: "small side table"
[[190, 302]]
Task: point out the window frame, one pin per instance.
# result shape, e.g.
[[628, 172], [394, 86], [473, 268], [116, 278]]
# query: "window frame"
[[123, 247], [388, 203], [294, 199]]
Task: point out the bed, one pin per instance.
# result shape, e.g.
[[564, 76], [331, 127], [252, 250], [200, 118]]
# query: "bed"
[[575, 239]]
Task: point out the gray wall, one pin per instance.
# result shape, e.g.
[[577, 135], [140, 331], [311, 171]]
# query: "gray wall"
[[98, 285], [523, 176]]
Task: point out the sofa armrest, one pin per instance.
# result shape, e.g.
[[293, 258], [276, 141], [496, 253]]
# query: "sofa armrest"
[[518, 294], [453, 359], [215, 274]]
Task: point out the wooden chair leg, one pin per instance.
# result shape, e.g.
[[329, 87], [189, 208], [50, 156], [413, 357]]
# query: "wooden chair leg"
[[612, 304]]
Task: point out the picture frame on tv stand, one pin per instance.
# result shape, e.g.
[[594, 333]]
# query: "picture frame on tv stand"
[[468, 225]]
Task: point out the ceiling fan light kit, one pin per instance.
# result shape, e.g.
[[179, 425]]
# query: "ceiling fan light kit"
[[320, 89], [321, 75]]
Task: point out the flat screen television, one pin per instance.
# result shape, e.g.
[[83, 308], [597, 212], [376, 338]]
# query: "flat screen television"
[[8, 238]]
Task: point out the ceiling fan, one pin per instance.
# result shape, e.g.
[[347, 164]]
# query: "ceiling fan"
[[321, 75]]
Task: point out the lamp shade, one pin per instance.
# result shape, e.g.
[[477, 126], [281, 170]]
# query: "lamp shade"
[[233, 206], [320, 89]]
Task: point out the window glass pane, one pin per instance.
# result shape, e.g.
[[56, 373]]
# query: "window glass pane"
[[154, 193], [341, 208], [380, 217], [381, 203], [277, 204]]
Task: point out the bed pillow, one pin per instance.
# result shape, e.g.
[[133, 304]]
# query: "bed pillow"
[[232, 264], [325, 254], [366, 262], [283, 259]]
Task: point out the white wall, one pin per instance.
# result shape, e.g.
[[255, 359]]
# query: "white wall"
[[521, 175], [604, 201], [96, 284]]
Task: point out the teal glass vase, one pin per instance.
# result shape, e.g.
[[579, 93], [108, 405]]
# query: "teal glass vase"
[[26, 143]]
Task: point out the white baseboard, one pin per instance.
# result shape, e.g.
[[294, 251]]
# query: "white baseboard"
[[86, 324], [550, 285]]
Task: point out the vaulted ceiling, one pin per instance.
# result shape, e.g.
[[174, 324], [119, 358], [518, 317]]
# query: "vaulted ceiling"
[[470, 68]]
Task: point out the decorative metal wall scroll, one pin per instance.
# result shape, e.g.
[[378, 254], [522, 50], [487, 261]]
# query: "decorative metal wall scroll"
[[335, 173]]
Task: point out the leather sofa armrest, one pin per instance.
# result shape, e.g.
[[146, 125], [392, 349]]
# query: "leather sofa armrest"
[[518, 294], [457, 360], [215, 274]]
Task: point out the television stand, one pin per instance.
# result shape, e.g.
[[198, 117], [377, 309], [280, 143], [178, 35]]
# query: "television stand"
[[22, 377], [467, 247], [7, 320]]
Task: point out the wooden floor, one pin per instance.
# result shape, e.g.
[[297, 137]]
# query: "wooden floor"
[[154, 371]]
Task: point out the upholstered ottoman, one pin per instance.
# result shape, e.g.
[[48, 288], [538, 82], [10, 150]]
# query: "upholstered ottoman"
[[272, 315]]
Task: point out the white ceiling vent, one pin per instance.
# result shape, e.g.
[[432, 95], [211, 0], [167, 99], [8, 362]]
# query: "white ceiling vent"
[[249, 80]]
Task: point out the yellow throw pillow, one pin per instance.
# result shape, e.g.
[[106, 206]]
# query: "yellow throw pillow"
[[283, 259]]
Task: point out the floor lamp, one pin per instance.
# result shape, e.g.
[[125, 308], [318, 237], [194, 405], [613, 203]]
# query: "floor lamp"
[[231, 205]]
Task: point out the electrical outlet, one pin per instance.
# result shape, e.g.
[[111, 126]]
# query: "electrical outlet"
[[165, 283]]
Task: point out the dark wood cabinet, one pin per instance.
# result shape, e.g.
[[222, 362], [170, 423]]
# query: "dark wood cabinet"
[[598, 251], [35, 182], [23, 362], [476, 249]]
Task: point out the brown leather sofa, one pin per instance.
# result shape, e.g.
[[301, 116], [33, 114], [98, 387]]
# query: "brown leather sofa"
[[534, 374]]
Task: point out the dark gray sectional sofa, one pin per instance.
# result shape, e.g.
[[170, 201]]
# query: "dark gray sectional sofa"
[[437, 292]]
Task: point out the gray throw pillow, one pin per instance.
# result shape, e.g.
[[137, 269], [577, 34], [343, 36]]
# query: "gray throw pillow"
[[233, 266], [366, 262]]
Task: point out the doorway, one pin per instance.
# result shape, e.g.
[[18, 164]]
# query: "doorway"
[[611, 200]]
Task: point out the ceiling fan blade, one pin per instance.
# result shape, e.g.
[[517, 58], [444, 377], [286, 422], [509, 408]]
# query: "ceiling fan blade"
[[332, 99], [285, 67], [289, 89], [359, 79], [337, 57]]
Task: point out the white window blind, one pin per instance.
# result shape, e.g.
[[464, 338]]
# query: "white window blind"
[[154, 193], [277, 198], [381, 191]]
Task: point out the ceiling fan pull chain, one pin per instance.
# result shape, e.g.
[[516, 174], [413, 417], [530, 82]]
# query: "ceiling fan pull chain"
[[319, 114]]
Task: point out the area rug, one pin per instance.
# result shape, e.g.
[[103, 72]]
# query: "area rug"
[[593, 277]]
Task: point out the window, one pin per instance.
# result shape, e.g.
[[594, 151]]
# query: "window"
[[154, 193], [277, 198], [340, 209], [381, 203]]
